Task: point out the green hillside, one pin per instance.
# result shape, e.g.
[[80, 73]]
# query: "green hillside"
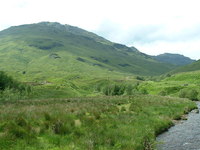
[[191, 67], [184, 84], [49, 51], [175, 59]]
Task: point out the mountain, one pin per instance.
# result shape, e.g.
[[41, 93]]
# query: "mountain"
[[50, 50], [191, 67], [175, 59]]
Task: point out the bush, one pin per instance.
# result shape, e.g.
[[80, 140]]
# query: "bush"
[[8, 82], [192, 94], [5, 81], [163, 93], [132, 88], [173, 89], [11, 89], [140, 78], [144, 91], [129, 90], [114, 89], [61, 128], [183, 93], [189, 93], [118, 90]]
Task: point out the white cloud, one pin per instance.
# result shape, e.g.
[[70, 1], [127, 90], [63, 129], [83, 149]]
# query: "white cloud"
[[154, 26]]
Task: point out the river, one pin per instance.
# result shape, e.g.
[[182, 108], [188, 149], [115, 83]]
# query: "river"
[[183, 136]]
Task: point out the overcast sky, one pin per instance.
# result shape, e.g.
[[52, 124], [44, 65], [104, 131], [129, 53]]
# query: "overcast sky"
[[152, 26]]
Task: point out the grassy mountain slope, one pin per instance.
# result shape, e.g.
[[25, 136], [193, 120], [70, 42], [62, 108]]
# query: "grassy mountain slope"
[[175, 59], [191, 67], [177, 85], [51, 50]]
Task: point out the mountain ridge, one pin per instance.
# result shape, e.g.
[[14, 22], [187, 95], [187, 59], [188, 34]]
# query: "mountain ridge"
[[44, 49], [195, 66], [176, 59]]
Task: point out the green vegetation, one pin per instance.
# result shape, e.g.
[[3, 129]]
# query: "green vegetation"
[[185, 85], [7, 82], [188, 68], [48, 51], [11, 89], [117, 105], [47, 120], [191, 94], [88, 123]]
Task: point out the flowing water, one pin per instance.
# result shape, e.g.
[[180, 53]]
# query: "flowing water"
[[183, 136]]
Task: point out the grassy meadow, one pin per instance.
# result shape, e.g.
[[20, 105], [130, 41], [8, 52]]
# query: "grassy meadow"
[[106, 122], [108, 113]]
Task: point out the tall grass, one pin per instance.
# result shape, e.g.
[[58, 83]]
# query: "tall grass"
[[130, 122]]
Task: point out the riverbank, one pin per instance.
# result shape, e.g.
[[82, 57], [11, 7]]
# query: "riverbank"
[[185, 135]]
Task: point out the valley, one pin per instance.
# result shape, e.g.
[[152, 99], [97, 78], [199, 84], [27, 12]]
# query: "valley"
[[62, 87]]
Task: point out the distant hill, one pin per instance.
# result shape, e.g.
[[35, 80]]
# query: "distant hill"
[[175, 59], [50, 50], [191, 67]]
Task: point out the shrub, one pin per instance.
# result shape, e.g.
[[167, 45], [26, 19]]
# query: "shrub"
[[132, 89], [107, 90], [62, 128], [11, 89], [140, 78], [173, 89], [144, 91], [118, 89], [129, 90], [192, 94], [163, 93], [115, 89], [189, 93], [183, 93], [5, 81]]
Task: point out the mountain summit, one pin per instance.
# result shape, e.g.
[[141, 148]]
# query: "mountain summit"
[[175, 59], [50, 49]]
